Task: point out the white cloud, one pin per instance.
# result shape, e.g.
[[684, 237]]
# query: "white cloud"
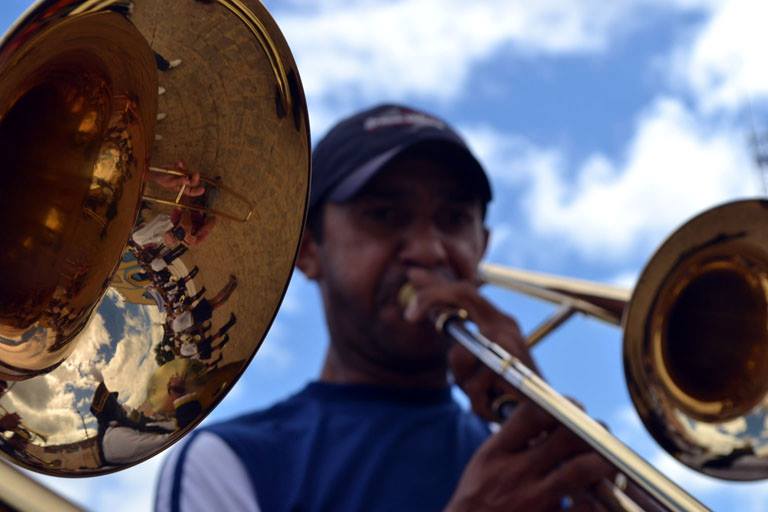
[[48, 404], [44, 410], [624, 279], [130, 369], [379, 49], [427, 47], [117, 297], [674, 167], [509, 159], [724, 63], [501, 235]]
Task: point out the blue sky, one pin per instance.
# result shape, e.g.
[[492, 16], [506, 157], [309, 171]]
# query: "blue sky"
[[604, 125]]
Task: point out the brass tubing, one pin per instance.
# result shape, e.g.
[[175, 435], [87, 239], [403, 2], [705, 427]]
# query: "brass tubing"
[[559, 318], [178, 204], [22, 493], [601, 301], [531, 385]]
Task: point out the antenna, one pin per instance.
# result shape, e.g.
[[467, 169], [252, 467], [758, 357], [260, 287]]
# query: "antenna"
[[759, 143]]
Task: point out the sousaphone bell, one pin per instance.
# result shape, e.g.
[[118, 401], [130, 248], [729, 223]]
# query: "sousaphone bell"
[[154, 161]]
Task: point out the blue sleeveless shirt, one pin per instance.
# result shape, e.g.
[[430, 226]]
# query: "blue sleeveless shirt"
[[338, 447]]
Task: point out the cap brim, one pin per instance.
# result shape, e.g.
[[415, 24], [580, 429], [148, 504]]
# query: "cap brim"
[[356, 180]]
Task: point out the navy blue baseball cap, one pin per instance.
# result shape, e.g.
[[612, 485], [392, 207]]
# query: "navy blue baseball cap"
[[360, 146]]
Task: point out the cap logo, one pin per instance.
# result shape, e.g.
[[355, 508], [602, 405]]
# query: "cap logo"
[[402, 118]]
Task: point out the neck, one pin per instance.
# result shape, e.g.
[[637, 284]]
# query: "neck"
[[339, 369]]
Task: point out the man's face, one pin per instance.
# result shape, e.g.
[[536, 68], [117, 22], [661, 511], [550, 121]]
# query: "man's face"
[[415, 214]]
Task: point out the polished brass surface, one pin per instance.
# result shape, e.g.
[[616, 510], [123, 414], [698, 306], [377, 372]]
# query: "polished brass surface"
[[124, 321], [595, 299], [695, 337], [709, 337], [245, 210], [73, 133], [260, 31], [600, 301], [666, 493], [696, 342]]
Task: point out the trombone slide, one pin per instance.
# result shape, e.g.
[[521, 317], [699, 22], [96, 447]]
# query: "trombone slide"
[[531, 385]]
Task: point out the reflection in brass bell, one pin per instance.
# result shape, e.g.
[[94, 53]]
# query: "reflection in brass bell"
[[154, 156], [695, 342]]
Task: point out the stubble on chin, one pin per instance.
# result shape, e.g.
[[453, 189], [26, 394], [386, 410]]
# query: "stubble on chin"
[[407, 347], [377, 339]]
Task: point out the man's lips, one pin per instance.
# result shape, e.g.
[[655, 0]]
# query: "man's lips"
[[390, 290]]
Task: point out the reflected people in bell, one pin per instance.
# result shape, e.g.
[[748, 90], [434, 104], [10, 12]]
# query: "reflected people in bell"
[[161, 249], [13, 437], [197, 314], [14, 432], [126, 436]]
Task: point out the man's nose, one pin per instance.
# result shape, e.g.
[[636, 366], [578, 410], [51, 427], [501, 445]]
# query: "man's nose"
[[423, 246]]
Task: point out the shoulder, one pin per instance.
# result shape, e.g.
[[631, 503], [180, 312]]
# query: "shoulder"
[[211, 471], [204, 474], [283, 416], [471, 429]]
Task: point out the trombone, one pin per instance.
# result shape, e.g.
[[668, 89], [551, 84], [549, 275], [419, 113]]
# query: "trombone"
[[695, 349]]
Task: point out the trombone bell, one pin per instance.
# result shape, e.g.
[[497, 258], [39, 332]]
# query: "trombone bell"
[[695, 337], [696, 342]]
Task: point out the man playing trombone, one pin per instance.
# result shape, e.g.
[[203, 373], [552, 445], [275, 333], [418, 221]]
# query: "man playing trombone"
[[397, 199]]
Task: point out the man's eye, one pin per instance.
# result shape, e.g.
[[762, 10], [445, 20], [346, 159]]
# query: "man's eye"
[[456, 218], [385, 215]]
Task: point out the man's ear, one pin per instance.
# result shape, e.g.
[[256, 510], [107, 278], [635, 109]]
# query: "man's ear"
[[486, 239], [308, 260]]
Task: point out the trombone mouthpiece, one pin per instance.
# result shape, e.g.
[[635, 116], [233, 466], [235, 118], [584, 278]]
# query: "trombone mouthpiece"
[[439, 316], [406, 294]]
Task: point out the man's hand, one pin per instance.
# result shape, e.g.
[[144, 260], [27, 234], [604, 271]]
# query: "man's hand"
[[481, 384], [531, 463], [193, 187]]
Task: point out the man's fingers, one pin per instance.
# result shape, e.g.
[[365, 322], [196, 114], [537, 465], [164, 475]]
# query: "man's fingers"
[[527, 424], [481, 384], [575, 474], [434, 289], [479, 389], [585, 501], [500, 328], [463, 364], [561, 444]]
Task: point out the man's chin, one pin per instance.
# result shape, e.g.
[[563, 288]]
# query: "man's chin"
[[394, 326], [417, 344]]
